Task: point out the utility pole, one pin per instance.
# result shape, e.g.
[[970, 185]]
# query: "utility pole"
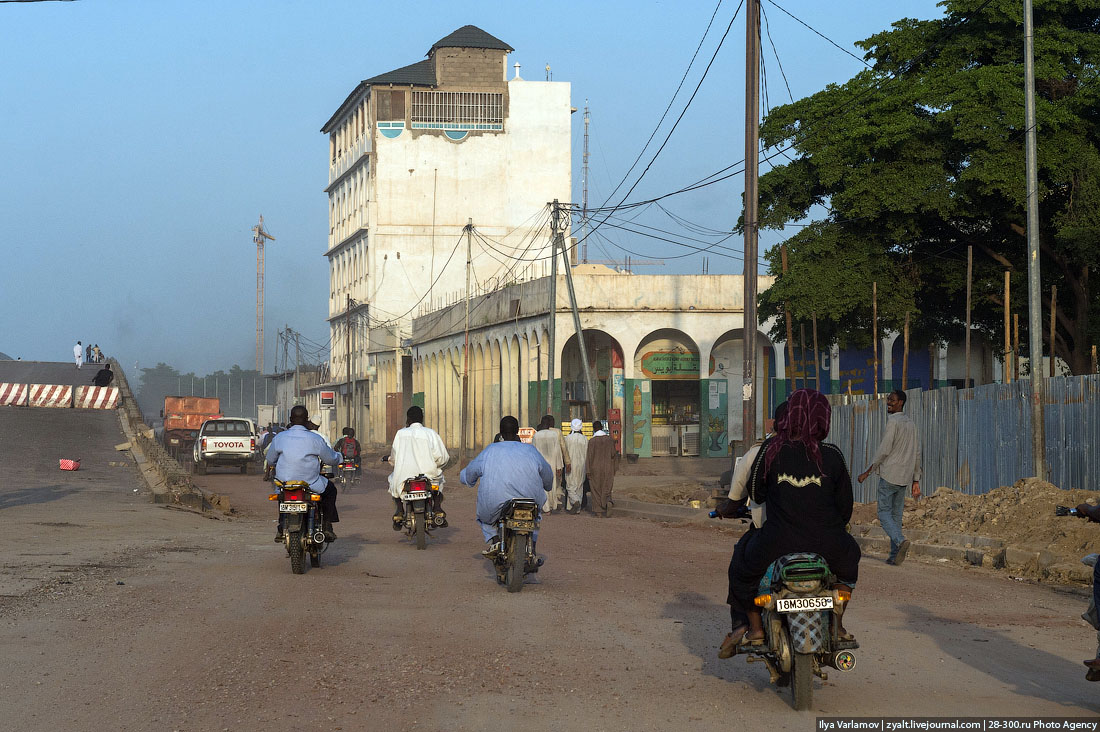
[[554, 213], [905, 355], [787, 317], [1008, 330], [969, 281], [1034, 282], [584, 189], [347, 363], [1053, 323], [874, 331], [258, 236], [590, 392], [817, 360], [466, 343], [297, 367], [752, 163]]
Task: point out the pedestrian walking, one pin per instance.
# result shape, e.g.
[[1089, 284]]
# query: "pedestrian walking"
[[104, 376], [899, 468], [576, 449], [78, 354], [549, 442], [97, 354], [601, 464], [88, 354]]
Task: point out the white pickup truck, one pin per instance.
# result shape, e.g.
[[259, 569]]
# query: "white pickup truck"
[[226, 441]]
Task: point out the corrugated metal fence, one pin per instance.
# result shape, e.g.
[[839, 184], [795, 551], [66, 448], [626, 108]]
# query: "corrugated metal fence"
[[975, 440]]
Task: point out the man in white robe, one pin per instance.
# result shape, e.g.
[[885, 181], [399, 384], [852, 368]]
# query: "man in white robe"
[[78, 354], [576, 448], [550, 444]]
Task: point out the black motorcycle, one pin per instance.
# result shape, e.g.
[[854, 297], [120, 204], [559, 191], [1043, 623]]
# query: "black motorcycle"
[[519, 520], [418, 502], [302, 522]]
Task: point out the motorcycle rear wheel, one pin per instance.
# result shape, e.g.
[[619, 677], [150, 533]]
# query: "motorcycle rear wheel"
[[421, 530], [516, 561], [802, 681], [294, 546]]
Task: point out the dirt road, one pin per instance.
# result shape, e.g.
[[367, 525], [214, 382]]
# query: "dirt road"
[[149, 618]]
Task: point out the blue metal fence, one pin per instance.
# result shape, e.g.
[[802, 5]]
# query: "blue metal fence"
[[975, 440]]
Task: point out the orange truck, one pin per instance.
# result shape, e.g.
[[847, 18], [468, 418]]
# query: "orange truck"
[[183, 417]]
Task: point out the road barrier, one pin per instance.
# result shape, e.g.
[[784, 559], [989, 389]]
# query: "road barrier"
[[96, 397], [13, 395], [50, 395]]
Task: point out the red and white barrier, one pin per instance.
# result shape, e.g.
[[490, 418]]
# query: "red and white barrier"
[[13, 395], [50, 395], [96, 397]]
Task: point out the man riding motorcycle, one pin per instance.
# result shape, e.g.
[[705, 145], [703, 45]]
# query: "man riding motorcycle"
[[297, 454], [417, 450], [507, 469], [349, 447]]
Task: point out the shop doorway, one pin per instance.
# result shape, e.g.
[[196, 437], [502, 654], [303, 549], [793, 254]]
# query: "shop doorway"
[[605, 359], [669, 359]]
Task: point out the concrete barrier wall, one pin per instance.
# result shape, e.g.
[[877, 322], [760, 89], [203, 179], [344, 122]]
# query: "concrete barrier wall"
[[13, 395], [96, 397], [50, 395]]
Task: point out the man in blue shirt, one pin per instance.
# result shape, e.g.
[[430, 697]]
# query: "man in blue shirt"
[[507, 469], [297, 454]]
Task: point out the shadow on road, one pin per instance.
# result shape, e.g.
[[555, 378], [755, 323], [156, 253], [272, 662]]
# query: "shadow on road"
[[703, 623], [34, 495], [346, 548], [1028, 671]]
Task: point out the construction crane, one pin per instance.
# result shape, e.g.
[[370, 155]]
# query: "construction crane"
[[258, 236]]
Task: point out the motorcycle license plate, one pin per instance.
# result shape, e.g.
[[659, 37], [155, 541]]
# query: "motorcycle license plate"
[[803, 604], [518, 524], [293, 508], [415, 495]]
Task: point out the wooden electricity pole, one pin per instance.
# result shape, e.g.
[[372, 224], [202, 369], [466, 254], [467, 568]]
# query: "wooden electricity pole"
[[787, 317], [752, 164], [1008, 331], [905, 355], [874, 331], [969, 281], [817, 361], [553, 308], [1053, 324]]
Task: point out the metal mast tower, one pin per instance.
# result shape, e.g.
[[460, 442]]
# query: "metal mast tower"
[[258, 236], [584, 189]]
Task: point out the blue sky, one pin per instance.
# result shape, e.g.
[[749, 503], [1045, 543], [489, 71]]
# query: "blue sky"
[[140, 140]]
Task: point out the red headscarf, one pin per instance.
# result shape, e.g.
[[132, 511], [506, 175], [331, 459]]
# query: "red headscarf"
[[806, 421]]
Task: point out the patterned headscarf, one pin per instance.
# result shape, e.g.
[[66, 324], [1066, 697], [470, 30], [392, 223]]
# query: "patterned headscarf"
[[806, 421]]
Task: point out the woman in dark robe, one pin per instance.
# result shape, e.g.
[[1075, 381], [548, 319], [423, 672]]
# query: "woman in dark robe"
[[807, 491]]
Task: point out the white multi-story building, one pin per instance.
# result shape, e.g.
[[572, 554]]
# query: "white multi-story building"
[[414, 155]]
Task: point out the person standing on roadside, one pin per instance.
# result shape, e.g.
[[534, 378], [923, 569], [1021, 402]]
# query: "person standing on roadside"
[[898, 464], [78, 354], [601, 464], [550, 444], [576, 449]]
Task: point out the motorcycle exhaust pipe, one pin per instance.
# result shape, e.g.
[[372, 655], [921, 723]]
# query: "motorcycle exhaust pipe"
[[841, 660]]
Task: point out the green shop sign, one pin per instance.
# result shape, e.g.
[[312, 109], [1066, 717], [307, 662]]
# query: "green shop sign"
[[670, 365]]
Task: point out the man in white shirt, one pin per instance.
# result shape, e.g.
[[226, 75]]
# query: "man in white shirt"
[[417, 450], [550, 444], [78, 354]]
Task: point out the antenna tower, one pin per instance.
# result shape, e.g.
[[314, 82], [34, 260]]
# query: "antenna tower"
[[258, 236], [584, 189]]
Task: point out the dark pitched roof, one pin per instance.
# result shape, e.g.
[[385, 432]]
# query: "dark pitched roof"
[[422, 73], [470, 36]]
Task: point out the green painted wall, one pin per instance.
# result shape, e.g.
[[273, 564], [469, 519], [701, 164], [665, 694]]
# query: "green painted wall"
[[713, 427], [638, 408], [418, 399]]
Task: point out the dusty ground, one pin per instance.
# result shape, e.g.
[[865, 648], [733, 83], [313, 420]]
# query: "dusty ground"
[[149, 618]]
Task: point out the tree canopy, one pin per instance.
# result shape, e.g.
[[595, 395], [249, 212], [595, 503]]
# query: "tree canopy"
[[921, 155]]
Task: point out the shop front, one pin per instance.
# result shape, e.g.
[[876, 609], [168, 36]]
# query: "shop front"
[[665, 405]]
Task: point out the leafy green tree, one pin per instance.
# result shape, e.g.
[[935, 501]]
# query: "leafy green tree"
[[921, 155]]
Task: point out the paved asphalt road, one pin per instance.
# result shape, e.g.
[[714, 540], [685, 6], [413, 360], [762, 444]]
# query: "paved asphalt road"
[[47, 372], [149, 618]]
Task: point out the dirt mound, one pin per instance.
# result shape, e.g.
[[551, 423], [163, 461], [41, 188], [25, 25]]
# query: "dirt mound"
[[1021, 515]]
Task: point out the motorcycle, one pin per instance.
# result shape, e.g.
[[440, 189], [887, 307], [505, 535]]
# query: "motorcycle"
[[418, 503], [801, 613], [300, 513], [348, 474], [519, 520], [1090, 615]]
